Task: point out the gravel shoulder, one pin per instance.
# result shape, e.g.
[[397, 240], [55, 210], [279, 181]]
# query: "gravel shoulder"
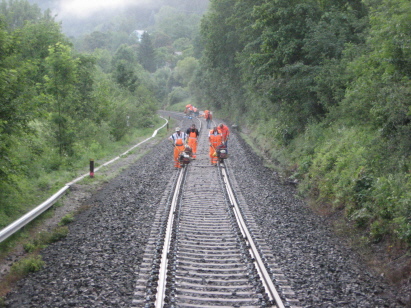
[[324, 269]]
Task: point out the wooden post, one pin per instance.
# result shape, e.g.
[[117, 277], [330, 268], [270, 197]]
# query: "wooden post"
[[92, 168]]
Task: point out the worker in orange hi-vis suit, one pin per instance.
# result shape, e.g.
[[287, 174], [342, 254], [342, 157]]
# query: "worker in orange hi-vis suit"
[[216, 138], [189, 111], [186, 111], [178, 139], [209, 117], [225, 131], [192, 134]]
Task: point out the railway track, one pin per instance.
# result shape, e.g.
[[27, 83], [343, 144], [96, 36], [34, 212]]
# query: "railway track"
[[204, 249]]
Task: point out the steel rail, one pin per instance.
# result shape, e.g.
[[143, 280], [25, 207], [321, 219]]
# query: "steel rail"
[[162, 277], [264, 275], [258, 262], [25, 219], [167, 240]]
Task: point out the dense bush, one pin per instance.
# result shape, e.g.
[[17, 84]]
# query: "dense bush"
[[326, 90], [178, 95], [58, 107], [66, 100]]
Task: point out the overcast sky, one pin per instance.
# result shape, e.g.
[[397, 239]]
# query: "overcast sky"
[[84, 8]]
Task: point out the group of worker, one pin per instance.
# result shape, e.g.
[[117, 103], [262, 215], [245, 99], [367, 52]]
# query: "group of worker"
[[181, 141], [191, 111]]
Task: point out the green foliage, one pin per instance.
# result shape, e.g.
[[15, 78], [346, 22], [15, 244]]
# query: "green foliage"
[[59, 108], [43, 239], [185, 70], [17, 87], [338, 166], [96, 40], [60, 85], [125, 76], [29, 247], [27, 265], [325, 84], [66, 219], [35, 38], [103, 60], [125, 69], [176, 24], [17, 12], [161, 78], [178, 107], [146, 53], [218, 80], [57, 234], [178, 95], [341, 167]]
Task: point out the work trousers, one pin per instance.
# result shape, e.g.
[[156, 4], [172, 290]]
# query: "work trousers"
[[192, 142], [177, 150]]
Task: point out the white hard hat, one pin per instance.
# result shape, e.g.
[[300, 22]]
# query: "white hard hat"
[[177, 129]]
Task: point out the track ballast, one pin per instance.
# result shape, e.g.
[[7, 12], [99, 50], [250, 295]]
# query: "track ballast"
[[199, 255]]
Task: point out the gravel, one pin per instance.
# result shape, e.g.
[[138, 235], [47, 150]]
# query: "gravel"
[[322, 269], [96, 265]]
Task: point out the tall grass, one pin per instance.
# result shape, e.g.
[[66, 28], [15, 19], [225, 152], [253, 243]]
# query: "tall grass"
[[44, 174], [346, 169]]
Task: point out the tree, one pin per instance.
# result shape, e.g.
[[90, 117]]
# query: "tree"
[[219, 80], [160, 39], [35, 38], [17, 12], [17, 87], [161, 77], [96, 40], [146, 54], [176, 24], [60, 84], [185, 69], [124, 65]]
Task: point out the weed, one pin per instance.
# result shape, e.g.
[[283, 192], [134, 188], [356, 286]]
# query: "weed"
[[58, 234], [27, 265], [379, 228], [45, 238], [29, 247], [66, 220]]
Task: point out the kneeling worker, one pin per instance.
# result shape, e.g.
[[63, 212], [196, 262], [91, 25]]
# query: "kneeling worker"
[[225, 131], [215, 137], [178, 139]]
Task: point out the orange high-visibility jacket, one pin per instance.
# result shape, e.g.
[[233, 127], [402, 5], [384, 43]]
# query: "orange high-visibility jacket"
[[208, 115], [215, 138], [224, 131]]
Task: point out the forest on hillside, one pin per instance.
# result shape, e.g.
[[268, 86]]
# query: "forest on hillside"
[[64, 100], [325, 88], [127, 17]]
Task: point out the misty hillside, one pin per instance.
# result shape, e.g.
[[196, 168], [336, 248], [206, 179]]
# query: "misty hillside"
[[128, 17]]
